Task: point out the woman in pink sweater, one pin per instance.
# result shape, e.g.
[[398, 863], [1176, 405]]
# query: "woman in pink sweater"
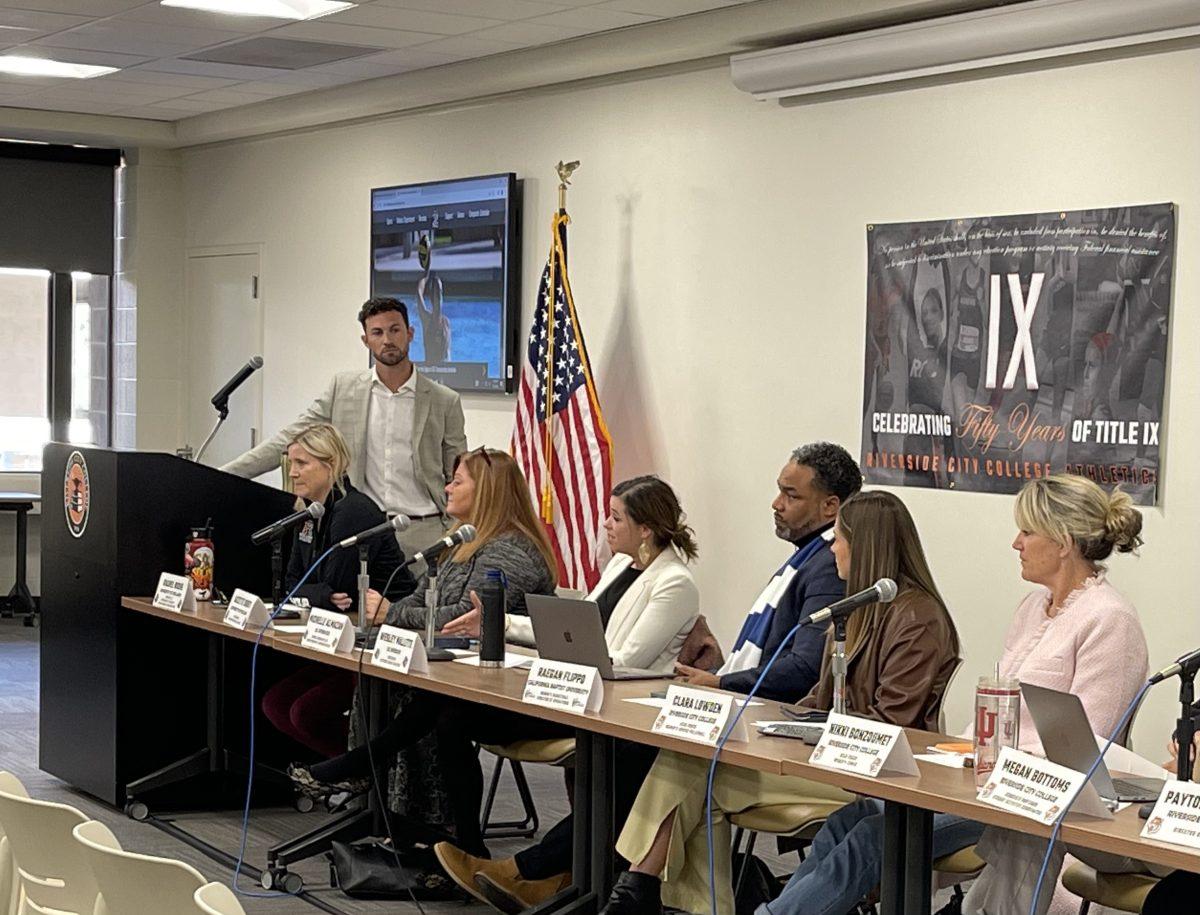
[[1075, 633]]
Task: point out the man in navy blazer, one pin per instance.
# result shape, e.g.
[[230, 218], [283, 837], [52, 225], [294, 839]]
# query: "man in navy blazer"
[[813, 484]]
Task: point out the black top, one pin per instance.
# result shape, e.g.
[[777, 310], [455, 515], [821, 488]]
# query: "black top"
[[608, 598], [345, 515]]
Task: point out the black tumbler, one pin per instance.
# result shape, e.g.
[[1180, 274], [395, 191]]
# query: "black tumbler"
[[491, 625]]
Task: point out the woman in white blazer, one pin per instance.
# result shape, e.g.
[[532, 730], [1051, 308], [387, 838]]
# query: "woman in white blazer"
[[649, 603]]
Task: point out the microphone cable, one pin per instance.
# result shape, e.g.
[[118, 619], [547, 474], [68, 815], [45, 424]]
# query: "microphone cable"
[[1037, 891], [712, 769], [237, 871]]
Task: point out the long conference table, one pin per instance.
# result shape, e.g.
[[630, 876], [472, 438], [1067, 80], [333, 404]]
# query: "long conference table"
[[909, 801]]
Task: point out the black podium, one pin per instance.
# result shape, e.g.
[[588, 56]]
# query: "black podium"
[[123, 694]]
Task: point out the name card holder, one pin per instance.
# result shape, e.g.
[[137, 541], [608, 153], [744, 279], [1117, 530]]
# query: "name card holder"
[[566, 687], [174, 593], [1176, 816], [700, 716], [246, 611], [1039, 789], [328, 632], [400, 650], [864, 747]]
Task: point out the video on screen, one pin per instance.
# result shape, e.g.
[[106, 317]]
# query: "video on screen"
[[445, 250]]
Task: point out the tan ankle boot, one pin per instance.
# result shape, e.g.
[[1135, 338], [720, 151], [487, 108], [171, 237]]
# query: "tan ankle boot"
[[462, 868], [507, 891]]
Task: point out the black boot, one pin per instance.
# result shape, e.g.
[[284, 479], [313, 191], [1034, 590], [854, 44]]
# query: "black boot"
[[635, 894]]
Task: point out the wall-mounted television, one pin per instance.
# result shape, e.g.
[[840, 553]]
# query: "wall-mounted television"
[[450, 250]]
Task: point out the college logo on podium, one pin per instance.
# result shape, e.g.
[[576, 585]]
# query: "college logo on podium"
[[77, 494]]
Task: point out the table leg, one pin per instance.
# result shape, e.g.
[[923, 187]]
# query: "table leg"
[[905, 886]]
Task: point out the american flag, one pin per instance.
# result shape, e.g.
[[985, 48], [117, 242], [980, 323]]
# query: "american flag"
[[560, 440]]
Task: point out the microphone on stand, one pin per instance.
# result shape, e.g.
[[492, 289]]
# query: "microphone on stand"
[[278, 528], [1186, 666], [220, 400], [464, 534], [394, 524], [882, 592]]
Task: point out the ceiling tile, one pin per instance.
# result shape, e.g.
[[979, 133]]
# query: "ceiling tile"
[[594, 19], [204, 68], [271, 88], [170, 80], [391, 17], [80, 55], [38, 23], [352, 34], [490, 9], [100, 36], [173, 15], [48, 102], [313, 78], [666, 8], [193, 105], [530, 33], [389, 62], [462, 47], [224, 97], [78, 7]]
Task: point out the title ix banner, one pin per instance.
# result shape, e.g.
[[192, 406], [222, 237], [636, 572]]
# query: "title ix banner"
[[1005, 348]]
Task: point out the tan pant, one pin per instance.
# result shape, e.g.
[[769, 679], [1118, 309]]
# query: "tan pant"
[[680, 783]]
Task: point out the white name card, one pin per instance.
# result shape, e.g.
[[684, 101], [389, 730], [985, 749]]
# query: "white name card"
[[864, 747], [567, 687], [1038, 789], [699, 715], [328, 631], [246, 611], [400, 650], [175, 593], [1176, 816]]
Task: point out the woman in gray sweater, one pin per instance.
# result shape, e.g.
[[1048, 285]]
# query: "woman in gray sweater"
[[434, 768]]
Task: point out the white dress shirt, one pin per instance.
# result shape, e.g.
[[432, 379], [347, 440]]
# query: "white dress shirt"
[[390, 477]]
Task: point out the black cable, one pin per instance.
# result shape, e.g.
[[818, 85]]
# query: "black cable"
[[364, 719]]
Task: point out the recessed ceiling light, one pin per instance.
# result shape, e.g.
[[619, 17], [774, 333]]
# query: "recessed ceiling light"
[[276, 9], [43, 66]]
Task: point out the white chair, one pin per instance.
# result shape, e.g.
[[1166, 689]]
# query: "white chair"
[[9, 885], [218, 899], [133, 884], [52, 875]]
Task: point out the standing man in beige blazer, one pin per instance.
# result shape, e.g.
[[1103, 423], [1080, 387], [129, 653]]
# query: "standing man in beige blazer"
[[404, 430]]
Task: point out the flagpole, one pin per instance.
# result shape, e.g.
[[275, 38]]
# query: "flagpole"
[[564, 170]]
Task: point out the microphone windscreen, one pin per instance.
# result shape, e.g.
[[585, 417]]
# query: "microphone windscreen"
[[887, 590], [316, 510], [466, 533], [399, 522], [256, 361]]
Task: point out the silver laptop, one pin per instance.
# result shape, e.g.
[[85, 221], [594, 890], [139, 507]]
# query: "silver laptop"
[[1067, 738], [569, 630]]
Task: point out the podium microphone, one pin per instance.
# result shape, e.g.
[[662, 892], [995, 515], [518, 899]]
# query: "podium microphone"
[[394, 524], [278, 528], [220, 400], [1186, 666], [464, 534], [882, 592]]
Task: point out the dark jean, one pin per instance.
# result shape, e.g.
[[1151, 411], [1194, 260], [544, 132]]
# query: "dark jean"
[[846, 859]]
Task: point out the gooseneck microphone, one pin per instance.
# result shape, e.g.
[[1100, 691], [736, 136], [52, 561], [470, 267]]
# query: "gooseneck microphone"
[[278, 528], [392, 525], [882, 592], [1188, 665], [220, 400], [464, 534]]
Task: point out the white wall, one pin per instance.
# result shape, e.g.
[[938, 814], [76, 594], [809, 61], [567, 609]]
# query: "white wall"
[[718, 261]]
